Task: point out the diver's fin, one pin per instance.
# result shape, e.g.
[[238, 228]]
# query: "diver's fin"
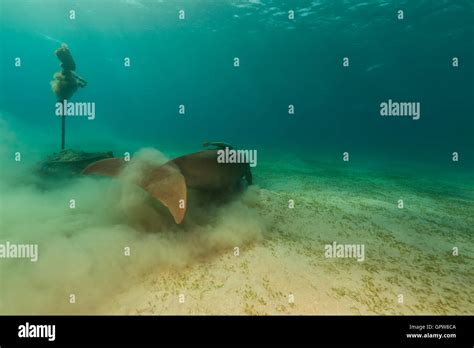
[[167, 184], [107, 167]]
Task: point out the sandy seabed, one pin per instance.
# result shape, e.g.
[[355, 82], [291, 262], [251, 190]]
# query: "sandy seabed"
[[408, 252], [281, 250]]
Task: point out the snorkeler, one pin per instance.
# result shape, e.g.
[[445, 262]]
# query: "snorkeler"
[[66, 82]]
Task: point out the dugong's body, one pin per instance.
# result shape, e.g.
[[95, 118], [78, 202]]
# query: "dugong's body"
[[202, 171], [169, 182]]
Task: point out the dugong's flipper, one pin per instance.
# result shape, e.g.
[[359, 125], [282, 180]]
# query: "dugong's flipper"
[[165, 183]]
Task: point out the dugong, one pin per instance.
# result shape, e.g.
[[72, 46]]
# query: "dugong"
[[169, 182]]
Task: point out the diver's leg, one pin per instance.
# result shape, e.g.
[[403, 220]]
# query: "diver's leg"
[[80, 81]]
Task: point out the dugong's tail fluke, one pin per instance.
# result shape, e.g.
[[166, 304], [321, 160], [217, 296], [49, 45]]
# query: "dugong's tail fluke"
[[107, 167], [165, 183]]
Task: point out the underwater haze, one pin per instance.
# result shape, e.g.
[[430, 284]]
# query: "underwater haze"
[[306, 93], [282, 62]]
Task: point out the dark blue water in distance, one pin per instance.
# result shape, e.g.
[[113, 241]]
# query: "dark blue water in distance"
[[282, 62]]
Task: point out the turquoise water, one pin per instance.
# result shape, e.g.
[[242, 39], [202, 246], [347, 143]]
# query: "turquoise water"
[[190, 61], [282, 62]]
